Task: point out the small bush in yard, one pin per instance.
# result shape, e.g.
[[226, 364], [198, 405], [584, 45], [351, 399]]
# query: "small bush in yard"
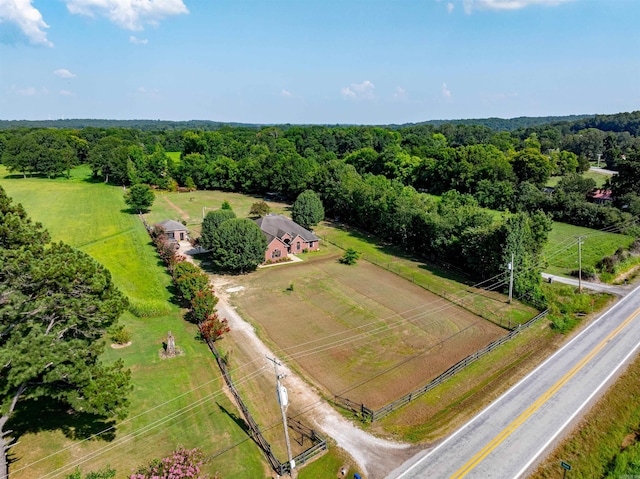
[[350, 256], [120, 335], [182, 463]]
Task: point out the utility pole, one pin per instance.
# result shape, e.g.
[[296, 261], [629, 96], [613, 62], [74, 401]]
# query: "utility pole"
[[511, 267], [283, 400], [205, 208], [580, 241]]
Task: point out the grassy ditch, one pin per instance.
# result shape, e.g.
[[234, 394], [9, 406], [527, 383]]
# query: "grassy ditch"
[[567, 308]]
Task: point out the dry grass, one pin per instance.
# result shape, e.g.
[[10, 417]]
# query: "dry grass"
[[359, 331]]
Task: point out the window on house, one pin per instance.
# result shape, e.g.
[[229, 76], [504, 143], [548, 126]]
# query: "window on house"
[[298, 245], [276, 253]]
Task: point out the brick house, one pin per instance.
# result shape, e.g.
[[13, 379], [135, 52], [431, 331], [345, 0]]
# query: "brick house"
[[285, 236], [174, 230]]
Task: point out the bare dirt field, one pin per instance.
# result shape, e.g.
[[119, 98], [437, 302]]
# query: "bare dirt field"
[[358, 331]]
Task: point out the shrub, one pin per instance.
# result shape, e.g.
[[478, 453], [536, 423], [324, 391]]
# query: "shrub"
[[351, 256], [106, 473], [213, 327], [190, 283], [259, 208], [203, 305], [120, 335], [182, 463]]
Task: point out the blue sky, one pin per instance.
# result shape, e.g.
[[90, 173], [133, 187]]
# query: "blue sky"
[[317, 61]]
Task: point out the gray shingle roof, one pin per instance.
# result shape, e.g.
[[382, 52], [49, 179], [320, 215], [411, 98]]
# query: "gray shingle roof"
[[276, 226], [171, 225]]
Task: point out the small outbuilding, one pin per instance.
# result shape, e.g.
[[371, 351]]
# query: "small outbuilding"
[[174, 230], [285, 236]]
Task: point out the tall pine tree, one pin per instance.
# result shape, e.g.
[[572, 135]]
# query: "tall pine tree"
[[55, 305]]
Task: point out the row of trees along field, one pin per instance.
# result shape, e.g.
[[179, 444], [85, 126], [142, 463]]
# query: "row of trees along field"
[[382, 179]]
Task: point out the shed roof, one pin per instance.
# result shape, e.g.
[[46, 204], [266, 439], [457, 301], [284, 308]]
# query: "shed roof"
[[172, 225]]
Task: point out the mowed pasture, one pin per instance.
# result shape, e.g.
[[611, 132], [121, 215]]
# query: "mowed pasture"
[[91, 217], [192, 206], [359, 331], [561, 251], [175, 402]]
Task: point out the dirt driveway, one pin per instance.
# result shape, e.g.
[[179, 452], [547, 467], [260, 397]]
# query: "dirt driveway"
[[375, 457]]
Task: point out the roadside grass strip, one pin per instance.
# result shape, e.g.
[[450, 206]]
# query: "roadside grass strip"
[[506, 432]]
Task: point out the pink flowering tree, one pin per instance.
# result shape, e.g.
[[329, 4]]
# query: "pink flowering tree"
[[181, 464]]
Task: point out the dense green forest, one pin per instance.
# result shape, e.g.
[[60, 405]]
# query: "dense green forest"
[[433, 190], [498, 124]]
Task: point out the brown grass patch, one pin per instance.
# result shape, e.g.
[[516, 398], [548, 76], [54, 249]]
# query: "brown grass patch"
[[360, 331]]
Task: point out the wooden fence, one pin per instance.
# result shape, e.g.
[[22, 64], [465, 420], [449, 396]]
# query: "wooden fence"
[[406, 272], [254, 429], [318, 443], [367, 414]]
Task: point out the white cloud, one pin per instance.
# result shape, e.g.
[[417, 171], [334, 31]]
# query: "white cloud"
[[31, 91], [286, 93], [67, 93], [27, 18], [470, 5], [64, 73], [129, 14], [360, 91], [400, 93], [138, 41], [450, 7], [445, 91]]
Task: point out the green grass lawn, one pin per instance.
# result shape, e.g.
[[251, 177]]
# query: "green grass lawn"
[[441, 281], [192, 206], [91, 217], [174, 155], [165, 410], [561, 251], [599, 178]]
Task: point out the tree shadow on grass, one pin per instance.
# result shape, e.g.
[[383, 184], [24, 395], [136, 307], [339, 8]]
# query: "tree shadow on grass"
[[93, 179], [33, 416], [237, 419], [435, 267]]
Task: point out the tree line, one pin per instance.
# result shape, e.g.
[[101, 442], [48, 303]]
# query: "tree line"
[[422, 187]]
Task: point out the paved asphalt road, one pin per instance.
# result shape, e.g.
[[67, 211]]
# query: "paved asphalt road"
[[606, 288], [505, 439]]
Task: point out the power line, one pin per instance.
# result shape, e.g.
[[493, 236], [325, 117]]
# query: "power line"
[[292, 356]]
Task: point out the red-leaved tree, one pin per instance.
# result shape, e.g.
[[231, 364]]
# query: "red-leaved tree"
[[213, 327], [203, 305]]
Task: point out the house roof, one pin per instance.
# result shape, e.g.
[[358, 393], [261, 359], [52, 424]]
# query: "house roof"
[[171, 225], [276, 226], [601, 195]]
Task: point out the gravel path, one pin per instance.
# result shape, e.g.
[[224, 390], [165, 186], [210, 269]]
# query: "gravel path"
[[375, 457]]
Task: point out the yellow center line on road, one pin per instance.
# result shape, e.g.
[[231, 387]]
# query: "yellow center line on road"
[[507, 431]]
